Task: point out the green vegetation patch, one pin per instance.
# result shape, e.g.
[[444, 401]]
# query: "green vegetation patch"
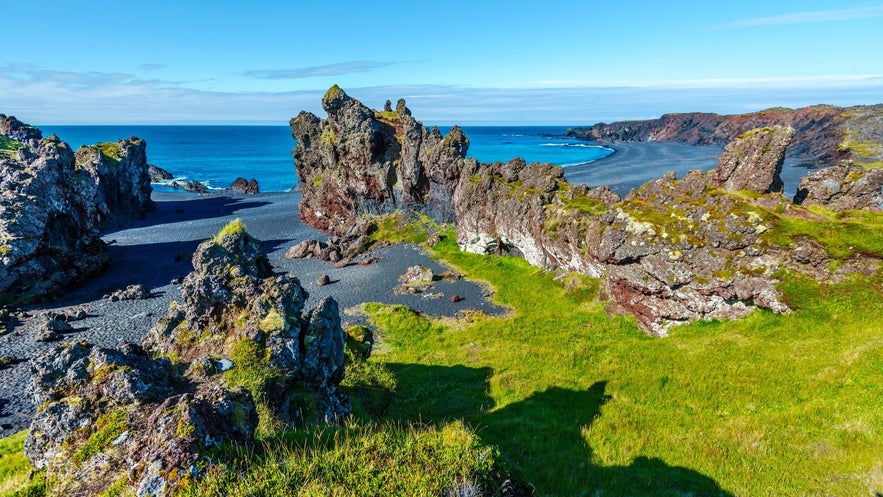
[[399, 227], [111, 152], [252, 370], [9, 148], [390, 116], [843, 234], [582, 402], [234, 228], [15, 469], [383, 459], [108, 427]]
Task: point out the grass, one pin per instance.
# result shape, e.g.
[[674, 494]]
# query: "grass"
[[15, 469], [9, 147], [386, 459], [579, 400], [234, 228], [843, 234]]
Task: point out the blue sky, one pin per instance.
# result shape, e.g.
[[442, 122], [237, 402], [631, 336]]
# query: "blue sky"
[[490, 62]]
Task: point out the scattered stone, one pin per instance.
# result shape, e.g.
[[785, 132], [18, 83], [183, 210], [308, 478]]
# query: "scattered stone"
[[450, 276], [47, 335], [456, 298], [323, 280], [367, 261], [190, 186], [433, 239], [305, 249], [417, 275], [225, 365], [132, 292], [247, 187], [176, 281], [57, 326], [433, 296]]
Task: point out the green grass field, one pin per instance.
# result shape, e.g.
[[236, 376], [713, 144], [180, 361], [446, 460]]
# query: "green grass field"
[[577, 402], [584, 404]]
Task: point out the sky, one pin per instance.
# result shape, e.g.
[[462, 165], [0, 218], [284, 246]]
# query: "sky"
[[467, 62]]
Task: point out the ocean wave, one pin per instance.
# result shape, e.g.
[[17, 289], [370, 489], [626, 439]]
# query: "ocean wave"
[[571, 145]]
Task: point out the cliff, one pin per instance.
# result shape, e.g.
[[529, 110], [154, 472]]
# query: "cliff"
[[824, 134], [705, 246], [53, 203]]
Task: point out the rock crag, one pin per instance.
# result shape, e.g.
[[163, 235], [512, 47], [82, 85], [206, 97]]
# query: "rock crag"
[[845, 186], [237, 356], [53, 203], [672, 252], [360, 161]]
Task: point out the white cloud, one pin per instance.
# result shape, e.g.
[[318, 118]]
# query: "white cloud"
[[808, 17], [349, 67]]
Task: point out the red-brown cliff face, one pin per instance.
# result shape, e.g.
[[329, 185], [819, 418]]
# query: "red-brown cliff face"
[[818, 130]]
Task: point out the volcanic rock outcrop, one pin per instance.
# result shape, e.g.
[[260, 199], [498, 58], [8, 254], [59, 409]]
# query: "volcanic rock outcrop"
[[360, 161], [234, 306], [53, 202], [236, 356], [674, 251], [753, 160], [818, 130], [844, 186], [247, 187]]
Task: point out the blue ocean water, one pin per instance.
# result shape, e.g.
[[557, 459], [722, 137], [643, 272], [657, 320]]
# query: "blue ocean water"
[[217, 155]]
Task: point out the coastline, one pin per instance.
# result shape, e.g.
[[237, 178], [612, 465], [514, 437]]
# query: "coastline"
[[156, 250]]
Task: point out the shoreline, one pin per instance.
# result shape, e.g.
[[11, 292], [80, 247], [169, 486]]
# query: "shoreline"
[[156, 250]]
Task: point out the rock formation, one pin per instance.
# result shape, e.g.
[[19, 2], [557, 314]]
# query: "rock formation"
[[674, 251], [247, 187], [753, 161], [118, 417], [818, 130], [845, 186], [359, 161], [236, 356], [233, 303], [158, 174], [53, 202]]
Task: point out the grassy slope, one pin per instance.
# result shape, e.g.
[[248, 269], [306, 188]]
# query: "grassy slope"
[[581, 403], [769, 405]]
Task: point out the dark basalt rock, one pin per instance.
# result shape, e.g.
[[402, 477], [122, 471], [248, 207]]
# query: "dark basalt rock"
[[247, 187], [233, 301], [359, 161], [53, 203], [158, 174], [130, 416], [111, 415]]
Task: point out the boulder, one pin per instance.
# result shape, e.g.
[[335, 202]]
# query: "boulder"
[[841, 187], [158, 174], [247, 187], [753, 161], [131, 292]]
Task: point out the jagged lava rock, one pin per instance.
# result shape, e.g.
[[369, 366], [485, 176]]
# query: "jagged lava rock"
[[116, 415], [841, 187], [670, 253], [361, 161], [158, 174], [247, 187], [235, 307], [53, 203], [753, 161]]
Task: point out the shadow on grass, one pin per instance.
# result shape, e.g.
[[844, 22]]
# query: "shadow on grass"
[[541, 436]]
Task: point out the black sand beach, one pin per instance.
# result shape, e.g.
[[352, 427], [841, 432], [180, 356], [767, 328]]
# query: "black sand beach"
[[157, 250]]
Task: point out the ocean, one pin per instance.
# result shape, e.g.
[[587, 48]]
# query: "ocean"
[[217, 155]]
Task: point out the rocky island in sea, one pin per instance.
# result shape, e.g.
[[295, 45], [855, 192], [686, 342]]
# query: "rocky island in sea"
[[222, 353]]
